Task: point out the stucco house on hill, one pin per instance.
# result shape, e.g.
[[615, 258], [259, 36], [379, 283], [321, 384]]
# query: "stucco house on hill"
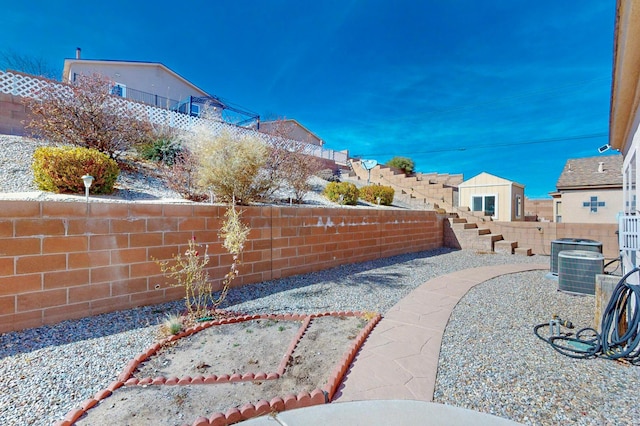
[[589, 190], [290, 129], [155, 84]]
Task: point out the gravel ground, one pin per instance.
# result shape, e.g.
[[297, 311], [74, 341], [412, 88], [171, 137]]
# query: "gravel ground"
[[491, 361], [47, 371]]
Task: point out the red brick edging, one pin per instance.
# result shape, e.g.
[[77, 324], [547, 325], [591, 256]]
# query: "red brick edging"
[[247, 411]]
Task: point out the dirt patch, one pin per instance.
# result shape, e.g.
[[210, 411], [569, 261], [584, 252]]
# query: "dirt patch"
[[256, 346]]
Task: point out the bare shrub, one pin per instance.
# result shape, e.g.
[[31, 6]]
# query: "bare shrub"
[[86, 115], [231, 166]]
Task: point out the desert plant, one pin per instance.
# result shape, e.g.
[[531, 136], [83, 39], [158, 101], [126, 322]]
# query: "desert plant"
[[231, 167], [377, 194], [342, 192], [87, 115], [60, 169], [329, 175], [172, 325], [162, 150], [297, 168], [189, 271], [403, 163], [234, 234], [181, 176]]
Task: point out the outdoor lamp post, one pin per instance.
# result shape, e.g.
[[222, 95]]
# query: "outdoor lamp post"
[[88, 180]]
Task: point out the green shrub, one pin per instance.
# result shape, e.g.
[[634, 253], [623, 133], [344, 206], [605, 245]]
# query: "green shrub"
[[403, 163], [377, 194], [60, 169], [162, 150], [342, 192]]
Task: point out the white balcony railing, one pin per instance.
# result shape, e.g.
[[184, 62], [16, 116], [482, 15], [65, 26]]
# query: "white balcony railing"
[[629, 233]]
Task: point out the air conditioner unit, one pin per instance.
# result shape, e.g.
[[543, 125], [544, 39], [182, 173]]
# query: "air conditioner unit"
[[577, 270], [571, 244]]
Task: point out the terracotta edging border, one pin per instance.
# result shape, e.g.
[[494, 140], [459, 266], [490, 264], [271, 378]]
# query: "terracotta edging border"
[[249, 410]]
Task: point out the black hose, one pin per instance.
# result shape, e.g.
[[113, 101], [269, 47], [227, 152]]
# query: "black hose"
[[610, 343]]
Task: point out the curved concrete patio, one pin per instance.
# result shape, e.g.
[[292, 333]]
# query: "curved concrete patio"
[[393, 376]]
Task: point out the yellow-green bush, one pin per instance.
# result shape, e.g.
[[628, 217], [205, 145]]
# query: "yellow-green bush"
[[60, 169], [371, 193], [342, 192]]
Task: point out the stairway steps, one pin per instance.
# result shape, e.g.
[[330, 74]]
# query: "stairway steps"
[[505, 247]]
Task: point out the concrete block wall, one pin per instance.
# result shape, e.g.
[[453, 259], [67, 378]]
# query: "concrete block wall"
[[65, 260], [539, 235], [12, 114]]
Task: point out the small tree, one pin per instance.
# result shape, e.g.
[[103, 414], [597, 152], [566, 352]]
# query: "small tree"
[[34, 65], [182, 176], [85, 114], [403, 163], [289, 166]]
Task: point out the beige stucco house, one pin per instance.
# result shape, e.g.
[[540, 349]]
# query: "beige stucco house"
[[155, 84], [624, 125], [589, 190], [493, 196], [148, 82]]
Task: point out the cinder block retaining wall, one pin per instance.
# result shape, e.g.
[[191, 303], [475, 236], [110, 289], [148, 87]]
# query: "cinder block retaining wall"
[[64, 260], [539, 235], [12, 114]]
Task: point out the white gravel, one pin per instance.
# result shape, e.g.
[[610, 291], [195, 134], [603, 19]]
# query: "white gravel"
[[47, 371]]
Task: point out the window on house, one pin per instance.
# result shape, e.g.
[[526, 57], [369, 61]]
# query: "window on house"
[[518, 206], [119, 90], [559, 212], [195, 110], [484, 203], [476, 204], [593, 204]]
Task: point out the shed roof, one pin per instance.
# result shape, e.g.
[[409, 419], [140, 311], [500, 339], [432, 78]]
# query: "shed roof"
[[586, 173], [489, 179]]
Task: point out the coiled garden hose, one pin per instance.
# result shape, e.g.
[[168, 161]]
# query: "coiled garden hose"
[[611, 343]]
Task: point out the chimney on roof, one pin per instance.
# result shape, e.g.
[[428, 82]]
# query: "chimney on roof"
[[601, 167], [78, 50]]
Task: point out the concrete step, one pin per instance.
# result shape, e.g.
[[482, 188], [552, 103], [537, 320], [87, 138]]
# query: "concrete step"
[[458, 220], [484, 231], [457, 226], [505, 247], [522, 251]]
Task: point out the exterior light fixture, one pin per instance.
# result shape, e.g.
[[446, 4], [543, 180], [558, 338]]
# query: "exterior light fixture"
[[88, 180]]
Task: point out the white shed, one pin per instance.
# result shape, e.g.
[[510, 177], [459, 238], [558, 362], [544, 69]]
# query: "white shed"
[[493, 196]]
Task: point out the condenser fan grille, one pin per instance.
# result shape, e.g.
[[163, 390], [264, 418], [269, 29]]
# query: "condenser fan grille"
[[577, 270], [563, 244]]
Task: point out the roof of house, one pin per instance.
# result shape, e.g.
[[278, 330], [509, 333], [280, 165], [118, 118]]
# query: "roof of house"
[[491, 180], [290, 121], [70, 61], [588, 172]]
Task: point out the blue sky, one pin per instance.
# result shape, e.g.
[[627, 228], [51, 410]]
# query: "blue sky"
[[510, 87]]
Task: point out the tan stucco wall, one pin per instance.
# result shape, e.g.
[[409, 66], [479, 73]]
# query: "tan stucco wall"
[[505, 192], [573, 210], [150, 78]]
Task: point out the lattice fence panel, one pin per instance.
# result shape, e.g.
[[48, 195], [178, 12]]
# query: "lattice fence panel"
[[28, 87]]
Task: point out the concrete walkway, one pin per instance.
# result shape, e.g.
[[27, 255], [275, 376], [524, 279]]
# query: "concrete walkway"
[[399, 360], [393, 378]]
